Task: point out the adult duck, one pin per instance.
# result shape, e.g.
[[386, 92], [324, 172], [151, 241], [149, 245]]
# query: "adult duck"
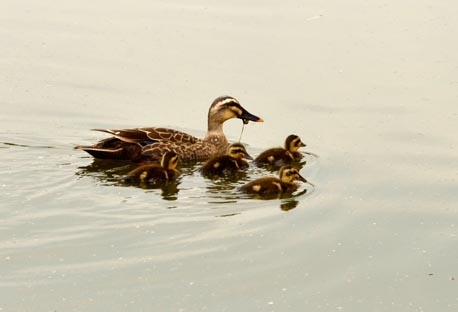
[[151, 143]]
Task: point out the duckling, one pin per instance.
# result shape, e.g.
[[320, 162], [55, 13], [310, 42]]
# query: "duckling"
[[275, 186], [150, 143], [232, 162], [156, 173], [282, 156]]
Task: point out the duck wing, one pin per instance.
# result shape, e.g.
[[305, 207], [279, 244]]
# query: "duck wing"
[[145, 136], [186, 152]]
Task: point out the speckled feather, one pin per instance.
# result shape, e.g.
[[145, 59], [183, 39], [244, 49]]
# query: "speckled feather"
[[150, 143]]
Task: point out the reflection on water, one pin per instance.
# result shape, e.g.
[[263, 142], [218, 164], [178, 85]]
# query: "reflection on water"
[[289, 204], [379, 233], [276, 168], [111, 172], [220, 190]]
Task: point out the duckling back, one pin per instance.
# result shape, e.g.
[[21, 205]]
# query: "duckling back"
[[271, 185], [223, 165], [275, 157], [153, 174], [268, 186], [282, 156], [156, 173], [227, 164]]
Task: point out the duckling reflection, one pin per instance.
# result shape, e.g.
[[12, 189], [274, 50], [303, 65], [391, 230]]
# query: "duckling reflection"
[[106, 171], [273, 187], [282, 156], [227, 165], [288, 205], [155, 173]]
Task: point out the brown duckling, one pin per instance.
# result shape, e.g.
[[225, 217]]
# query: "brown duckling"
[[275, 186], [156, 173], [282, 156], [232, 162]]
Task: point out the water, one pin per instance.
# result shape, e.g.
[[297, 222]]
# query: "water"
[[371, 88]]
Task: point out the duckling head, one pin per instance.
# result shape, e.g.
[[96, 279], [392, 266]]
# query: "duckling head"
[[238, 151], [227, 107], [289, 174], [169, 160], [293, 143]]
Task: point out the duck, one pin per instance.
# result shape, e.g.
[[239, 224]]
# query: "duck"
[[279, 156], [269, 186], [231, 163], [156, 173], [150, 143]]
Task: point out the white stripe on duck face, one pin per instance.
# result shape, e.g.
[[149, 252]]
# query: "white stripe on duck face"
[[224, 102]]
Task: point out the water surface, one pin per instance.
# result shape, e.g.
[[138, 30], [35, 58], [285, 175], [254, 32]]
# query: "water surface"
[[371, 88]]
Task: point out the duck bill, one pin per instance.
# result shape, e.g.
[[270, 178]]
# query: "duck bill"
[[302, 144], [311, 184], [247, 117], [248, 156], [302, 179]]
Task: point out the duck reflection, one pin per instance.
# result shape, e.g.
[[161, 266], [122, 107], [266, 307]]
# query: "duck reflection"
[[113, 172], [106, 171], [274, 168], [219, 190]]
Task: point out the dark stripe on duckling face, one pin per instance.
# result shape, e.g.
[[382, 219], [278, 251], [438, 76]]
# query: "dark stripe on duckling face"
[[169, 160], [238, 151], [290, 174]]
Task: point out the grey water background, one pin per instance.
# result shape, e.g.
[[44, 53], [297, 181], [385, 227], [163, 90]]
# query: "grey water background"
[[370, 86]]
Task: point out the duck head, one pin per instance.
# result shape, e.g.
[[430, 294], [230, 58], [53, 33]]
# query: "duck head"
[[289, 174], [238, 151], [169, 160], [227, 107], [293, 143]]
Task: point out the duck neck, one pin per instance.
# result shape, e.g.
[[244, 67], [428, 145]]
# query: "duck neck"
[[215, 129], [215, 136]]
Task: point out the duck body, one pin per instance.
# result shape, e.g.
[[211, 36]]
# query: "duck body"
[[155, 173], [151, 174], [150, 143], [228, 164], [279, 156], [269, 186]]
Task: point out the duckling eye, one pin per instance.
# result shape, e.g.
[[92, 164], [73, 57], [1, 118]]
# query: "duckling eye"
[[292, 172]]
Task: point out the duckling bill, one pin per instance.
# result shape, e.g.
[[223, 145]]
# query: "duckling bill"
[[282, 156], [155, 173], [269, 186], [232, 162]]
